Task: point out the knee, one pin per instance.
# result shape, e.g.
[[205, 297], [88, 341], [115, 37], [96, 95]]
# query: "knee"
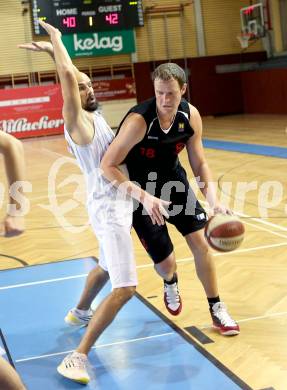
[[202, 249], [101, 271], [129, 291], [167, 266], [124, 294], [198, 244]]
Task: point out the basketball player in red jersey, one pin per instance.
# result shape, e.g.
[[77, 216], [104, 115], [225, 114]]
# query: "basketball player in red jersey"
[[149, 139]]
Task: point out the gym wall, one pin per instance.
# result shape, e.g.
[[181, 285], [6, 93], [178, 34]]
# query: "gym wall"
[[221, 25]]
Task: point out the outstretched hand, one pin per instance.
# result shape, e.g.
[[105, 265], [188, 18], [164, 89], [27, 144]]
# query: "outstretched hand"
[[220, 209], [51, 30], [156, 208], [38, 46]]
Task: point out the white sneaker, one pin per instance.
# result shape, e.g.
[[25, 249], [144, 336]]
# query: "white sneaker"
[[74, 367], [222, 320], [172, 298], [77, 317]]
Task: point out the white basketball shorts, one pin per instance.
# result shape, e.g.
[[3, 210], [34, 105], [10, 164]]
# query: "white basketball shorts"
[[111, 221]]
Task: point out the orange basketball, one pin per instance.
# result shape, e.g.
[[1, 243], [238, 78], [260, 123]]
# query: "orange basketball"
[[224, 232]]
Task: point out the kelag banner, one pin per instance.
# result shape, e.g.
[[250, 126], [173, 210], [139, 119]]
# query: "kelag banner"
[[37, 111], [99, 43]]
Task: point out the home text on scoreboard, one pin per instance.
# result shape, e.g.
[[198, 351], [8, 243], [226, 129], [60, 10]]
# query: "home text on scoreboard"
[[71, 16]]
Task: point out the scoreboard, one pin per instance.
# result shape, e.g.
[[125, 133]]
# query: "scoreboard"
[[71, 16]]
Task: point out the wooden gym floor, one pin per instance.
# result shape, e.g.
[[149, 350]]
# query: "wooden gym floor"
[[252, 280]]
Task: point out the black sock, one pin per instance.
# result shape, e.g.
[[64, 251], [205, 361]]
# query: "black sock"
[[212, 301], [173, 280]]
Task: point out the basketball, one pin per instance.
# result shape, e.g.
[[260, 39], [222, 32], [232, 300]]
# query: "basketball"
[[224, 233]]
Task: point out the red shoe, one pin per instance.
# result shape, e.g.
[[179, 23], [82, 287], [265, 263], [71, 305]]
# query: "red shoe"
[[172, 298], [222, 320]]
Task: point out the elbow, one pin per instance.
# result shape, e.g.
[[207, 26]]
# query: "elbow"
[[66, 71], [104, 167], [107, 169], [16, 148]]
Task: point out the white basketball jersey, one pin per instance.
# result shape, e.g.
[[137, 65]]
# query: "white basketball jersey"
[[89, 157], [106, 204], [110, 212]]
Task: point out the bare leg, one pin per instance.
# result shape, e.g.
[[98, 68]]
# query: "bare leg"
[[104, 315], [96, 280], [9, 379], [12, 226], [13, 153], [167, 267], [204, 263]]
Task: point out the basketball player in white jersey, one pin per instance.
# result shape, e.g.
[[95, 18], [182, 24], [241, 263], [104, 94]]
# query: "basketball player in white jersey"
[[110, 212]]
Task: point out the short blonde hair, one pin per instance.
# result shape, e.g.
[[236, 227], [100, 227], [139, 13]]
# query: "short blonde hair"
[[170, 70]]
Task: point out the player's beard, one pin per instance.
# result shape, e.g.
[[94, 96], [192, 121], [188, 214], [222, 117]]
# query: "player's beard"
[[92, 106]]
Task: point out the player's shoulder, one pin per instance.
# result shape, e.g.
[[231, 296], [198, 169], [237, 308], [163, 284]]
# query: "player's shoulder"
[[134, 126], [145, 107], [134, 119], [145, 111], [194, 112], [195, 120]]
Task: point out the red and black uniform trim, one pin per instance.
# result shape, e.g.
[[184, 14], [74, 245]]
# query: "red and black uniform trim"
[[153, 163]]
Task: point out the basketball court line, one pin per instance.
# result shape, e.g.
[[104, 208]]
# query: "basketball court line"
[[263, 317], [239, 213], [266, 230], [48, 151], [188, 259], [217, 254], [260, 221], [43, 281], [195, 343], [228, 146], [142, 266], [173, 330], [23, 262], [95, 347], [263, 222], [6, 349], [240, 147]]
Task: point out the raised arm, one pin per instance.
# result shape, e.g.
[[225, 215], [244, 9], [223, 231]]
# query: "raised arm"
[[131, 133], [45, 47], [72, 109]]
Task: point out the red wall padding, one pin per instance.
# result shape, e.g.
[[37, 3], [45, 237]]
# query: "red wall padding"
[[211, 93], [265, 91]]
